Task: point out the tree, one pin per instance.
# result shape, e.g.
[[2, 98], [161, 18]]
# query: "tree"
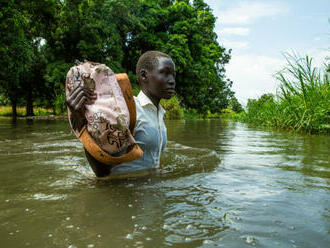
[[41, 17], [42, 40], [186, 32], [94, 30], [234, 105], [15, 52], [23, 25]]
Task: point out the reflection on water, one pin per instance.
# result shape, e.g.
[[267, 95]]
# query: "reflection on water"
[[222, 184]]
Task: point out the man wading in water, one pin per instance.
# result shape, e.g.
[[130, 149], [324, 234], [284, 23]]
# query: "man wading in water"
[[156, 76]]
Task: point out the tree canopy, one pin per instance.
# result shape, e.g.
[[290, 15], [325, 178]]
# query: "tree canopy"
[[42, 39]]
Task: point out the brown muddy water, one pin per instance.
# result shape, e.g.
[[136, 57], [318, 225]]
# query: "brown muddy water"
[[223, 184]]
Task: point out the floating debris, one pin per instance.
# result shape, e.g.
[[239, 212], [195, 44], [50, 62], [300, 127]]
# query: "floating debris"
[[129, 236], [250, 240], [189, 227], [207, 242]]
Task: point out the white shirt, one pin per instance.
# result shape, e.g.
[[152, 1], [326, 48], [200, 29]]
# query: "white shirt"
[[149, 134]]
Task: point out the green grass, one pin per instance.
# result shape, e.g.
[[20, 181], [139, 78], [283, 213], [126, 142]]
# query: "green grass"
[[302, 102], [6, 111]]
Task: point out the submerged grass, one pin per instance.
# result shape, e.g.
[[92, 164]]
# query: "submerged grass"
[[301, 103]]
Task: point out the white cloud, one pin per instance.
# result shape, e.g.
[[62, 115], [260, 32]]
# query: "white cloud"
[[247, 12], [234, 44], [252, 75], [317, 55], [235, 31]]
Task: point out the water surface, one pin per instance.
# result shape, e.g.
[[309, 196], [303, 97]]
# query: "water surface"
[[223, 184]]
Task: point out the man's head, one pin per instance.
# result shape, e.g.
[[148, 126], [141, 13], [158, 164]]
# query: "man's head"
[[156, 74]]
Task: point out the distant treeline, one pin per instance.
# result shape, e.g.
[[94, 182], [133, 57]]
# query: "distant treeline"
[[41, 40], [302, 101]]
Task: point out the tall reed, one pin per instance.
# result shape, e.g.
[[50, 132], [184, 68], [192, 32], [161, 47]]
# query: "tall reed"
[[302, 101]]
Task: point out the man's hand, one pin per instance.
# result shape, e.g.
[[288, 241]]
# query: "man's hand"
[[76, 102], [79, 97]]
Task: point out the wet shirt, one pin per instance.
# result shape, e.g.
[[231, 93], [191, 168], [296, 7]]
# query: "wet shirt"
[[149, 134]]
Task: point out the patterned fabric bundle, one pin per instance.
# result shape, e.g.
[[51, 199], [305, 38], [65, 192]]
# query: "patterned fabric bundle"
[[108, 118]]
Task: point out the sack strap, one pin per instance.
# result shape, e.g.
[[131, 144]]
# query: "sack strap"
[[133, 152], [126, 88]]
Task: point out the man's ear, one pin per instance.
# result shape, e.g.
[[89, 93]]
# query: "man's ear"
[[144, 75]]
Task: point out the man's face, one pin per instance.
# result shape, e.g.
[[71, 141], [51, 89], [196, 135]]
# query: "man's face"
[[161, 83]]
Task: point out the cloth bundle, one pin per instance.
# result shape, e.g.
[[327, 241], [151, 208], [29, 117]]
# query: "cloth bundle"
[[112, 115]]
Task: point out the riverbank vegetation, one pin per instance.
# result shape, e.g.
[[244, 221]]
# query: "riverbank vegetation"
[[301, 103], [21, 111], [41, 40]]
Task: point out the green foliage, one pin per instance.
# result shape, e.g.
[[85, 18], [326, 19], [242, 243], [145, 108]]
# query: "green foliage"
[[232, 115], [42, 39], [234, 105], [192, 114], [7, 111], [15, 50], [23, 24], [21, 111], [303, 100], [186, 32], [60, 105], [263, 110], [173, 109], [42, 111], [54, 90], [3, 100]]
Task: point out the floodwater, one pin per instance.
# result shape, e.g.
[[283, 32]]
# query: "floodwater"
[[223, 184]]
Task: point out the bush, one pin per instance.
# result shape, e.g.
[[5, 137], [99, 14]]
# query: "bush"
[[302, 103], [60, 103], [192, 114], [173, 109]]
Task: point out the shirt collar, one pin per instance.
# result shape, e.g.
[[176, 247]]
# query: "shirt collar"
[[145, 101]]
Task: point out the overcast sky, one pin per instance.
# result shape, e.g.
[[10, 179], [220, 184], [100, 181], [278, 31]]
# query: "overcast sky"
[[258, 32]]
